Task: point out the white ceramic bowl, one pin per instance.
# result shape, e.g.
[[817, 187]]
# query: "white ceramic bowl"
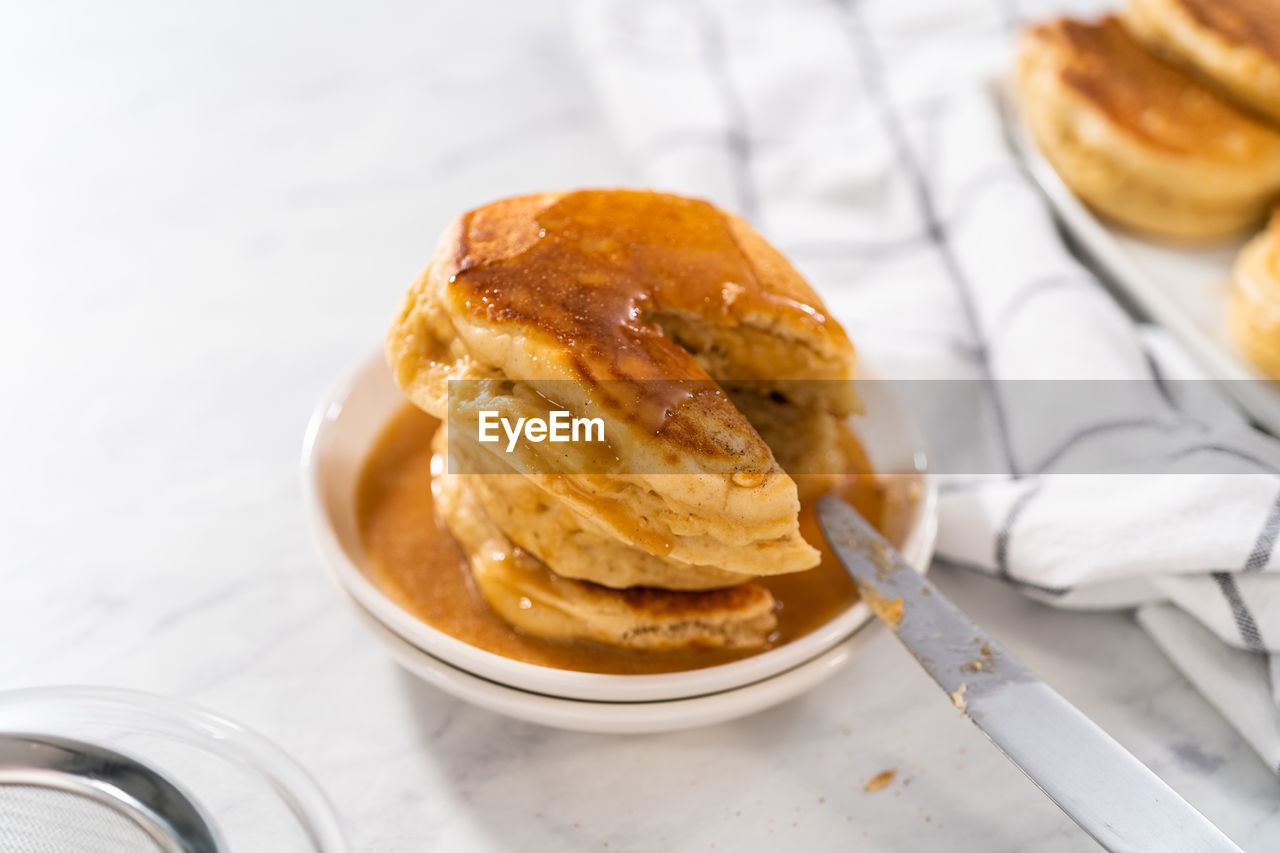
[[611, 717], [351, 416]]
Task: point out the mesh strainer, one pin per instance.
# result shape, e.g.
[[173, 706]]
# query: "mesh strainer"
[[92, 770], [59, 795]]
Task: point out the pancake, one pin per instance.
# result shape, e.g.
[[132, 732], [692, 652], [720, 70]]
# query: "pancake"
[[573, 547], [566, 543], [1255, 299], [1141, 141], [1233, 45], [627, 506], [814, 447], [535, 600], [635, 307]]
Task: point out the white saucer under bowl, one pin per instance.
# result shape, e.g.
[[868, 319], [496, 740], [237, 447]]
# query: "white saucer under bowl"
[[582, 715], [350, 418]]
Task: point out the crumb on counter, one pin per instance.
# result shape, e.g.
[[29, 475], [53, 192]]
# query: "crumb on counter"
[[880, 780], [958, 699]]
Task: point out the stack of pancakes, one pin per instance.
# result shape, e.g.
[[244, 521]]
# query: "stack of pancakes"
[[1166, 120], [709, 361]]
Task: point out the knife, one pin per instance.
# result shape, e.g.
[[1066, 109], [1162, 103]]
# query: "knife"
[[1099, 784]]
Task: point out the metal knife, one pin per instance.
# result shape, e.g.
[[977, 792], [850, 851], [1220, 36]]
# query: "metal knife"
[[1100, 785]]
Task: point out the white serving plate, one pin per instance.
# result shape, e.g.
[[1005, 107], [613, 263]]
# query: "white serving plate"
[[349, 419], [610, 717], [1184, 289]]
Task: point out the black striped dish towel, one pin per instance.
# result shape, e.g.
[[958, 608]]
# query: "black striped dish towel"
[[862, 139]]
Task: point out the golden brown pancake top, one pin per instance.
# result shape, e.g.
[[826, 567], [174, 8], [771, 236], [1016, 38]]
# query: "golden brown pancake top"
[[1149, 98], [595, 275], [596, 270], [1254, 23]]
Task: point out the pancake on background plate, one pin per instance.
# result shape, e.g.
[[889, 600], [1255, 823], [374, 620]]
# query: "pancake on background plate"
[[1232, 44], [710, 362], [1255, 299], [1141, 141]]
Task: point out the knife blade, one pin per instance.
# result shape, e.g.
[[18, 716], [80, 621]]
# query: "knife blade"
[[1112, 796]]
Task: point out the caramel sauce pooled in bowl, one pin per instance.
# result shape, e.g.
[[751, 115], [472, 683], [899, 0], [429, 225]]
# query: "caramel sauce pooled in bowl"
[[415, 561]]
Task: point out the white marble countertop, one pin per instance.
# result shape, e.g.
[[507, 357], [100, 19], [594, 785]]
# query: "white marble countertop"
[[208, 211]]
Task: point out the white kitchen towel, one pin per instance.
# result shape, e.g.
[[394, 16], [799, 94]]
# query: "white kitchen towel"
[[862, 138]]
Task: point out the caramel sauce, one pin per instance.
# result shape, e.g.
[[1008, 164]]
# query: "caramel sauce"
[[417, 563]]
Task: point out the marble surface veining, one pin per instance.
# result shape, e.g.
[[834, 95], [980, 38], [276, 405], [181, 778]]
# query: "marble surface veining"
[[206, 212]]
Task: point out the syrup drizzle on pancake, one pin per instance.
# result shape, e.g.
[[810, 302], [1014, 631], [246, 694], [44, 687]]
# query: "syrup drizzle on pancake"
[[595, 269], [600, 265]]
